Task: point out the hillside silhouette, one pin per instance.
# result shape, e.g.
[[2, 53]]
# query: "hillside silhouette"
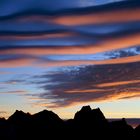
[[87, 124]]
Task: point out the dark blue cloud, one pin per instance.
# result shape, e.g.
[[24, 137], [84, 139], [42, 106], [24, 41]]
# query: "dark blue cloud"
[[65, 41], [26, 7], [109, 29], [96, 30], [15, 27], [81, 84], [132, 51], [75, 35]]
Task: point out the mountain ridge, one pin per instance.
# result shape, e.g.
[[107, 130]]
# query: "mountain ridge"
[[86, 122]]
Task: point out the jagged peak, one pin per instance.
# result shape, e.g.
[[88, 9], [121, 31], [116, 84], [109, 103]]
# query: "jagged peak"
[[97, 110], [17, 111], [19, 115], [86, 108], [88, 115]]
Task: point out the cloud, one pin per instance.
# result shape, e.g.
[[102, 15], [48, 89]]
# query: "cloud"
[[90, 83], [120, 56], [103, 17], [73, 30], [42, 62], [15, 81], [16, 8], [122, 60], [45, 34], [105, 45], [16, 63], [117, 83], [19, 92]]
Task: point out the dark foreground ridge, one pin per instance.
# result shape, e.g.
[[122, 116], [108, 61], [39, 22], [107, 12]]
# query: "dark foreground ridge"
[[87, 123]]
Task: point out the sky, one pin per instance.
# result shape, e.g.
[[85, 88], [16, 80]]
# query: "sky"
[[62, 55]]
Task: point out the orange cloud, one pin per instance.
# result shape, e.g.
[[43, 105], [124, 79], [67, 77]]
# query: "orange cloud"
[[120, 95], [117, 83], [122, 15], [122, 60], [15, 92], [85, 91], [34, 62], [17, 63], [106, 45], [106, 98]]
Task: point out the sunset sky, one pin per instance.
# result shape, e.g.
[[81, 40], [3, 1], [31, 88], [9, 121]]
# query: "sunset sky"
[[62, 54]]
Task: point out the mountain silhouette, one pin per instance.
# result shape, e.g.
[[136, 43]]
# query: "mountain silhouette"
[[137, 132], [87, 124], [46, 116], [19, 117], [90, 117], [122, 128]]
